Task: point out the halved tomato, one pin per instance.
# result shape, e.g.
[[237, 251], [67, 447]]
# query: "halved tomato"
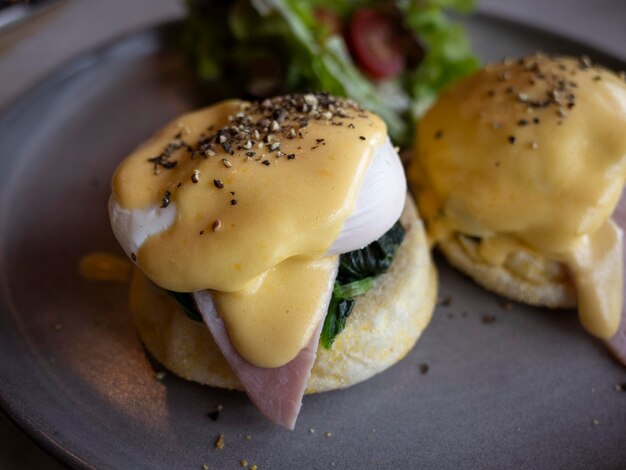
[[376, 44]]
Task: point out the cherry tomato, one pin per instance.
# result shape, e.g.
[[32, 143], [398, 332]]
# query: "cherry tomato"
[[375, 44]]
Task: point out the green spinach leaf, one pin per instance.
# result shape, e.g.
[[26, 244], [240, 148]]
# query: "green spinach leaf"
[[338, 312], [357, 270], [372, 260], [352, 289], [186, 302]]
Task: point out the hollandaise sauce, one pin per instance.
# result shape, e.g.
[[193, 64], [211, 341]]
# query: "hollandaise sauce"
[[530, 154], [260, 192]]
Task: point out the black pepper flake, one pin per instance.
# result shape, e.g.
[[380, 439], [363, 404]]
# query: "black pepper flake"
[[195, 176], [536, 120], [232, 193], [279, 114], [488, 319], [201, 232], [424, 368], [291, 156], [438, 134], [166, 200], [233, 202], [214, 415], [512, 139], [351, 126], [554, 95], [362, 138], [268, 121], [504, 76], [266, 162], [522, 122], [585, 62], [218, 184], [133, 256], [179, 185], [162, 160]]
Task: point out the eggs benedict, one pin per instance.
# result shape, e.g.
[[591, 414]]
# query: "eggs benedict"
[[518, 169], [257, 229]]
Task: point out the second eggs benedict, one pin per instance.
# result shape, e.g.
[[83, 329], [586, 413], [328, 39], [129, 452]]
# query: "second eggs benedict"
[[518, 170], [273, 222]]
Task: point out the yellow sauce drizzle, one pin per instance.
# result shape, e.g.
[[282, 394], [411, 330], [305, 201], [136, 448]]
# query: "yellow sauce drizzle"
[[103, 266], [294, 293]]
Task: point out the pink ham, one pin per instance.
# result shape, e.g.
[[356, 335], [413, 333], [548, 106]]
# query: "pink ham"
[[276, 392], [617, 344]]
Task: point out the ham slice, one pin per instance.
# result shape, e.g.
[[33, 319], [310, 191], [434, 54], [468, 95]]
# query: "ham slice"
[[617, 344], [276, 392]]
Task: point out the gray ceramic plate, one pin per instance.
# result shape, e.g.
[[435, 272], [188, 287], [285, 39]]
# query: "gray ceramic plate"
[[521, 391]]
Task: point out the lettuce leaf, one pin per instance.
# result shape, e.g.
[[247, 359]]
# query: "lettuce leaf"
[[449, 54]]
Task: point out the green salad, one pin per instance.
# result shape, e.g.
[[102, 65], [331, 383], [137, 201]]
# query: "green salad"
[[391, 56]]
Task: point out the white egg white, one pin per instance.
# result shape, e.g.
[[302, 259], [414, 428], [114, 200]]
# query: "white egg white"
[[379, 203], [378, 206], [133, 227]]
